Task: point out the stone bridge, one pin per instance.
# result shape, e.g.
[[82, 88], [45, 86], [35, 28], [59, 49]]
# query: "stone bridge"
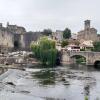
[[91, 57]]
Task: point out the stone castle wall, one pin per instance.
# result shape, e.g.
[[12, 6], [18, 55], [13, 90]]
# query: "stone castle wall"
[[6, 38], [13, 33]]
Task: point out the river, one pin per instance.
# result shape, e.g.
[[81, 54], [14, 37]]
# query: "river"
[[60, 83]]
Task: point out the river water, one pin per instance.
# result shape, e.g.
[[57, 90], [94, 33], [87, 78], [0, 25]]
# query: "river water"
[[68, 83], [60, 83]]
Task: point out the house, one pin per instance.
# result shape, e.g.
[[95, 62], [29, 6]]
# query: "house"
[[58, 35], [87, 45], [72, 47]]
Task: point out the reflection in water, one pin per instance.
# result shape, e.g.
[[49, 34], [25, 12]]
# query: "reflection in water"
[[87, 86], [73, 81], [51, 77], [87, 91], [46, 77]]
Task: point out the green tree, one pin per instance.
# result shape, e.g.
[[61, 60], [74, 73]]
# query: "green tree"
[[66, 33], [47, 32], [96, 46], [45, 51], [64, 43]]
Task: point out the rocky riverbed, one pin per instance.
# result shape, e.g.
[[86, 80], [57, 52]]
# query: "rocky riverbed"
[[16, 85], [61, 83]]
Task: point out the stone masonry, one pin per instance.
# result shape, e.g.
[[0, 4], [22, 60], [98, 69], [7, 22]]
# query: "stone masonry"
[[13, 35], [91, 57], [88, 33]]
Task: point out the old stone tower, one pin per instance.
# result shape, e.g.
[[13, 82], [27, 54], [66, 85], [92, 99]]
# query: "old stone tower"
[[89, 33]]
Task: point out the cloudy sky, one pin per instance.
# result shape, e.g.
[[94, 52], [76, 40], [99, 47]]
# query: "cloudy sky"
[[36, 15]]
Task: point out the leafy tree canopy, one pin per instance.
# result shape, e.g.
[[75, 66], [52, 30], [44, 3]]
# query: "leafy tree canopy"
[[96, 46], [66, 33], [47, 32]]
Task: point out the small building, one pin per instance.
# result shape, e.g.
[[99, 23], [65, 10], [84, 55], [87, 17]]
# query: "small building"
[[73, 48], [87, 45], [73, 41], [58, 35]]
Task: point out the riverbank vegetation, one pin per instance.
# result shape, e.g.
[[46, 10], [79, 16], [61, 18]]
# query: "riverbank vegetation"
[[45, 51], [96, 46]]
